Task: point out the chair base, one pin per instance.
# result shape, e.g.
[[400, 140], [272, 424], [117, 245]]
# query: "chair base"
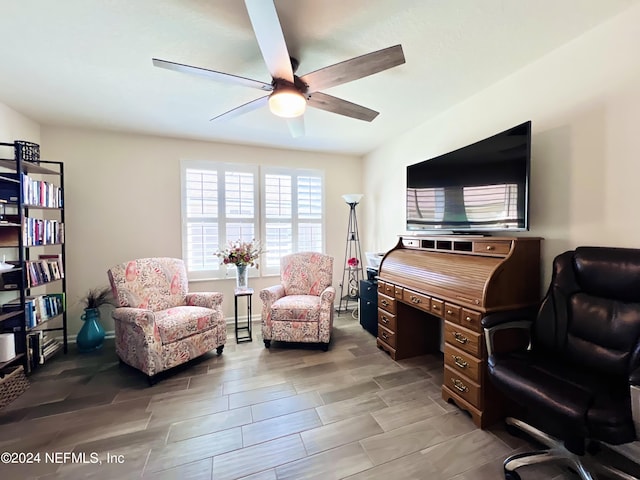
[[584, 466]]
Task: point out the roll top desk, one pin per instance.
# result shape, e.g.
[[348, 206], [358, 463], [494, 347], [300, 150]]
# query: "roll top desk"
[[458, 279]]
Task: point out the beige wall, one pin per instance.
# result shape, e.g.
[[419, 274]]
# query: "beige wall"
[[15, 126], [122, 195], [584, 103]]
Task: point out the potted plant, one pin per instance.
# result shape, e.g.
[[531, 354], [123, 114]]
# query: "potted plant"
[[91, 335]]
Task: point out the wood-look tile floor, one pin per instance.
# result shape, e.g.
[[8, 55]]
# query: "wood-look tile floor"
[[291, 412]]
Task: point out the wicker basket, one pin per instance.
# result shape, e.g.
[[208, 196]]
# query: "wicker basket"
[[28, 151], [12, 385]]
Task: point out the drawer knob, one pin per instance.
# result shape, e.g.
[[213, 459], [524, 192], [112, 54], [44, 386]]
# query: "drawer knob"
[[435, 306], [385, 336], [490, 247], [459, 361], [458, 385], [414, 299], [449, 312], [468, 319], [460, 338], [384, 303], [384, 319]]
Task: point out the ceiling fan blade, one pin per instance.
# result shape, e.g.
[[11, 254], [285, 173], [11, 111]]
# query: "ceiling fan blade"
[[296, 126], [353, 69], [242, 109], [212, 74], [268, 31], [341, 107]]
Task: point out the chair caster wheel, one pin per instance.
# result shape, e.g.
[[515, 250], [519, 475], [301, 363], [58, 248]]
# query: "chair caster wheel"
[[267, 343], [511, 475]]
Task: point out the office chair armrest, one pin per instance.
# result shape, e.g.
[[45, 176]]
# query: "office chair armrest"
[[489, 333], [497, 318], [635, 407]]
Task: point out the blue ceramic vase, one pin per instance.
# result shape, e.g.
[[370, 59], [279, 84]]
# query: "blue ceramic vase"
[[91, 335]]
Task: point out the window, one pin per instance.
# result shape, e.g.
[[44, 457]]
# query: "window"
[[293, 214], [219, 204], [225, 202]]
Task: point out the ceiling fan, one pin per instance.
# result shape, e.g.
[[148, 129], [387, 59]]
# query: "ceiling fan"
[[289, 94]]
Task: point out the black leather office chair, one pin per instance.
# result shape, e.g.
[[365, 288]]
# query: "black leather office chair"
[[578, 381]]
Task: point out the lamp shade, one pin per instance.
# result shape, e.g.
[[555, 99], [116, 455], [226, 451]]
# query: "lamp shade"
[[287, 102], [352, 197]]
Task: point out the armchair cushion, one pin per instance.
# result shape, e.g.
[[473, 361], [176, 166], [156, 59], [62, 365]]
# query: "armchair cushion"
[[302, 308], [153, 283], [306, 273]]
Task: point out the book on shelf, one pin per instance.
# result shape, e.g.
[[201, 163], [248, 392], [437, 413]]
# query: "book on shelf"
[[56, 265]]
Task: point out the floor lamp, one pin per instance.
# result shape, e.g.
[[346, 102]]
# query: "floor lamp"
[[353, 271]]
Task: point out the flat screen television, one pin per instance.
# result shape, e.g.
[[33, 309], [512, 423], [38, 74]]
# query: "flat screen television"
[[483, 187]]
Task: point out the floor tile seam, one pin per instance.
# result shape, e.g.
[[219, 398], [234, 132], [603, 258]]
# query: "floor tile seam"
[[168, 443], [299, 432], [310, 456], [256, 388]]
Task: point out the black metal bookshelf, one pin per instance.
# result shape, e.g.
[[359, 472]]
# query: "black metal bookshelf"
[[32, 238]]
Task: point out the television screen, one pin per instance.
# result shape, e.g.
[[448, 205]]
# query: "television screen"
[[480, 187]]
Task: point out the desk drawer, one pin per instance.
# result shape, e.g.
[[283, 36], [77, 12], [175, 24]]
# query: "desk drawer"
[[463, 338], [387, 320], [386, 303], [452, 312], [437, 307], [389, 289], [418, 300], [462, 362], [398, 292], [462, 386], [387, 336], [471, 320], [495, 247]]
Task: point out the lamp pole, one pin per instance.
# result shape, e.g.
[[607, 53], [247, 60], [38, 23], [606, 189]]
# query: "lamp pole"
[[353, 271]]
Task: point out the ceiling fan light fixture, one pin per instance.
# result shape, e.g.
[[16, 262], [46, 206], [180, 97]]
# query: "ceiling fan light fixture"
[[287, 102]]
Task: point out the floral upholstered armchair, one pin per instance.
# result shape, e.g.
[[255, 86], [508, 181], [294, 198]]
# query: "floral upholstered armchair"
[[300, 309], [158, 325]]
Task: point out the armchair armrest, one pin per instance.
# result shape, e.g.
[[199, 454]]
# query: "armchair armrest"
[[137, 316], [328, 295], [271, 294], [204, 299], [494, 322]]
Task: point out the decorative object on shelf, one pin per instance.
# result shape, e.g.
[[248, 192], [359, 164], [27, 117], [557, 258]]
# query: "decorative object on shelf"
[[7, 347], [28, 151], [4, 266], [242, 255], [91, 335], [353, 272]]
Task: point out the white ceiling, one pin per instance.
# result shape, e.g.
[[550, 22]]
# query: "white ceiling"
[[87, 63]]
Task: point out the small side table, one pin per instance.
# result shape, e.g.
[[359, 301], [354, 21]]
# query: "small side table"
[[243, 292]]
